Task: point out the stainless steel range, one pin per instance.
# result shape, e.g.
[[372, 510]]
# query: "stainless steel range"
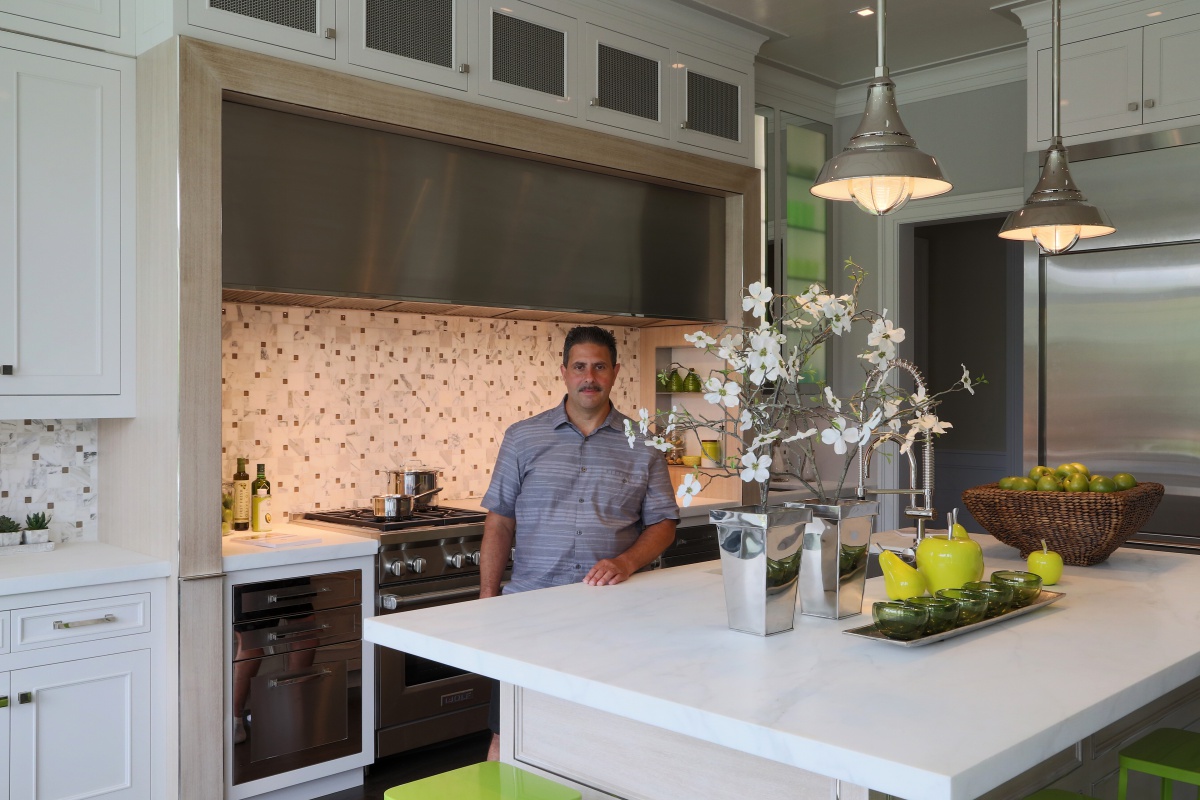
[[429, 559]]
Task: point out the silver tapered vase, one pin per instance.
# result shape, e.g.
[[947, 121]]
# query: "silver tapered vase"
[[834, 572], [760, 565]]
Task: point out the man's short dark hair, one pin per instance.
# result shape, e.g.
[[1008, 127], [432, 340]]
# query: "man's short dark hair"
[[589, 334]]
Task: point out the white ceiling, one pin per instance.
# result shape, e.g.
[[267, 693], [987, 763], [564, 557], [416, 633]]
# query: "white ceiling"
[[825, 40]]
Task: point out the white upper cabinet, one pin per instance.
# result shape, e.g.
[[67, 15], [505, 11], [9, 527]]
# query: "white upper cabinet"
[[713, 105], [102, 24], [626, 82], [1172, 69], [422, 39], [1101, 85], [305, 25], [527, 56], [66, 231]]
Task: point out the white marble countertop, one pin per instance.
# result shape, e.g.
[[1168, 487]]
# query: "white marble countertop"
[[236, 556], [76, 564], [948, 721]]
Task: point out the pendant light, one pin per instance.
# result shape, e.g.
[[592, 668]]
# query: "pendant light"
[[1056, 215], [881, 168]]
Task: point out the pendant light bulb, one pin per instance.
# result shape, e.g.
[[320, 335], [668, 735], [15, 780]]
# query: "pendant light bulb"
[[1056, 215], [880, 168]]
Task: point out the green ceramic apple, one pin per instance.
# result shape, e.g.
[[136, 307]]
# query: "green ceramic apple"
[[949, 563], [1046, 563]]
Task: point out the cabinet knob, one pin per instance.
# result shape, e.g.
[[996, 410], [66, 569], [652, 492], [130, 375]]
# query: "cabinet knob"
[[1150, 104], [4, 701], [330, 33], [684, 125], [1133, 106], [6, 369], [595, 101], [25, 697], [464, 68]]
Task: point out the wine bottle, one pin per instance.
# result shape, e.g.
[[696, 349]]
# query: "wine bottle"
[[241, 497], [260, 502]]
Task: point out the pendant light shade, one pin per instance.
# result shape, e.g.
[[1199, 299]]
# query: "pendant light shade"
[[881, 168], [1056, 215]]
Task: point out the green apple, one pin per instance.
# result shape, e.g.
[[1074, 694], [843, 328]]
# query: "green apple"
[[1049, 483], [1046, 563], [1064, 470], [1006, 483], [1123, 481], [1081, 468], [1023, 485], [948, 563], [1039, 471], [1099, 483], [1076, 482]]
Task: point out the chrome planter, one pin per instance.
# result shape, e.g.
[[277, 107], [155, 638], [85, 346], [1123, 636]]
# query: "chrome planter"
[[835, 548], [760, 565]]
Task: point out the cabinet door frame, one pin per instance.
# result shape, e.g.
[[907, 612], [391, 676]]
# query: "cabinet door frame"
[[104, 24], [1129, 43], [203, 15], [109, 392], [498, 90], [454, 77], [27, 724], [683, 63], [596, 35], [1167, 107]]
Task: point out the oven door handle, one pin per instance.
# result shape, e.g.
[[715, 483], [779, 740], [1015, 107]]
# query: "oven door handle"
[[391, 601], [274, 637], [275, 598], [276, 683]]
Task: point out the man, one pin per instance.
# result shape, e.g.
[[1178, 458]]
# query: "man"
[[567, 489]]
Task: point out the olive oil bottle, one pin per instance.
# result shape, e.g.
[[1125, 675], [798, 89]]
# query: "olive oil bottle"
[[241, 497], [260, 502]]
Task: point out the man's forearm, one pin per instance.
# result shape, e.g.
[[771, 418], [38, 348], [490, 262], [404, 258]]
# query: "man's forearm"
[[498, 535], [649, 545]]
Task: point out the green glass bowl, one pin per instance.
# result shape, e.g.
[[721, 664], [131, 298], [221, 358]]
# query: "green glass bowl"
[[897, 620], [1026, 586], [972, 606], [999, 595], [943, 613]]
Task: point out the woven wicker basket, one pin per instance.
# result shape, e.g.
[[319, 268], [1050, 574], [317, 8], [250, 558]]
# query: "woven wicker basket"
[[1083, 527]]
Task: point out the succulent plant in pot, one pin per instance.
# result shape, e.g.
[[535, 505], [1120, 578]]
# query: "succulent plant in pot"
[[10, 531], [37, 528]]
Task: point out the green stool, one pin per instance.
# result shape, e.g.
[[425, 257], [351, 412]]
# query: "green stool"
[[490, 780], [1056, 794], [1170, 754]]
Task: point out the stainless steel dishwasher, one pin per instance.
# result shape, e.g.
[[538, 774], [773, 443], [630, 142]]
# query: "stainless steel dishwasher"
[[297, 673]]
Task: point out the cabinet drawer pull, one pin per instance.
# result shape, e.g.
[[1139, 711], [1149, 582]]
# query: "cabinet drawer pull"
[[1133, 106], [289, 634], [24, 698], [330, 33], [275, 598], [1149, 104], [316, 676], [4, 701], [83, 623], [6, 369]]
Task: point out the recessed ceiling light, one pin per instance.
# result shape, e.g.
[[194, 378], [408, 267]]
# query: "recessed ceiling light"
[[1154, 14], [864, 12]]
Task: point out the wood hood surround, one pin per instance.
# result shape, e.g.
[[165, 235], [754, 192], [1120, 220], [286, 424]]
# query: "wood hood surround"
[[181, 84]]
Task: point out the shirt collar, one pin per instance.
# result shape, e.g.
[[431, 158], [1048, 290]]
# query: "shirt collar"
[[614, 420]]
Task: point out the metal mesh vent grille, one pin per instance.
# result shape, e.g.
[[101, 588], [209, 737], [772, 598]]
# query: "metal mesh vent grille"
[[627, 82], [298, 14], [528, 55], [417, 29], [712, 106]]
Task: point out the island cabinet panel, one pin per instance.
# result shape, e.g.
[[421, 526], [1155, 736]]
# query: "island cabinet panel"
[[605, 756]]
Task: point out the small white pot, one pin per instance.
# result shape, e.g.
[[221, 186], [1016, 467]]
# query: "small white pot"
[[10, 539], [37, 537]]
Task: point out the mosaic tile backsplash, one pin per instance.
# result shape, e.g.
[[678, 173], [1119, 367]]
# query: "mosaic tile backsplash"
[[330, 399], [49, 465]]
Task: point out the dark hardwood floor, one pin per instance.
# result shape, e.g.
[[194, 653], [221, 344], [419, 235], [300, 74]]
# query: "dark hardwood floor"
[[407, 767]]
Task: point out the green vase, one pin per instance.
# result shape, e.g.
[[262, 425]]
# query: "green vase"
[[675, 382], [692, 382]]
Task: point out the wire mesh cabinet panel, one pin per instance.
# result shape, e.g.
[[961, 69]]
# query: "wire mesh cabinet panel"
[[421, 39], [527, 55], [625, 82], [713, 104], [308, 26]]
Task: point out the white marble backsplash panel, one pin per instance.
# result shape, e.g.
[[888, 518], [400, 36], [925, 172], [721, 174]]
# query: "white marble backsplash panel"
[[330, 399], [49, 465]]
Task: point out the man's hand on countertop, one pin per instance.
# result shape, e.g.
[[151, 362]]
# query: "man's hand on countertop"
[[607, 571]]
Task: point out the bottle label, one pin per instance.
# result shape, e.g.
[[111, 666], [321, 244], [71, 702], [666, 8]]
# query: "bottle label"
[[261, 520], [241, 503]]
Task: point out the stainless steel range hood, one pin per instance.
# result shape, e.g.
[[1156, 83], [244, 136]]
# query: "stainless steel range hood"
[[321, 212]]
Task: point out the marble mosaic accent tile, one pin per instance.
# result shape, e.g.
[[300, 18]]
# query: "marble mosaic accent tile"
[[50, 465], [330, 399]]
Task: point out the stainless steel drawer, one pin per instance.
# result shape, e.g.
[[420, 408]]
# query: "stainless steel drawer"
[[296, 632], [296, 595], [84, 621]]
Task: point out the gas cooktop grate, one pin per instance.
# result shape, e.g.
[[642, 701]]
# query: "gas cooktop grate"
[[424, 518]]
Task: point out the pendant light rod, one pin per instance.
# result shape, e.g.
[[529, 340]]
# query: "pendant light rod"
[[881, 69], [1056, 75]]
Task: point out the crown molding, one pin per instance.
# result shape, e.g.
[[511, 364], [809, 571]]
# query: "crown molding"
[[783, 89], [717, 31], [981, 72]]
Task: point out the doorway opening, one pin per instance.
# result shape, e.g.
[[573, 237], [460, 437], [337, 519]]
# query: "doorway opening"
[[963, 287]]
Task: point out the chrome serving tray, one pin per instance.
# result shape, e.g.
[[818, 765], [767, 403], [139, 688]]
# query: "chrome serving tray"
[[869, 632]]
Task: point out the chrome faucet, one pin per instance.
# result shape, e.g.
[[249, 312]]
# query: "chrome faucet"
[[920, 506]]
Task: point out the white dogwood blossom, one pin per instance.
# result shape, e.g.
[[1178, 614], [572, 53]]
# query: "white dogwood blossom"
[[756, 299], [689, 487], [757, 468], [719, 393], [701, 339]]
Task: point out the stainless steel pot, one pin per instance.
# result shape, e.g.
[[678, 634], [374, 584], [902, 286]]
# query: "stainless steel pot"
[[399, 506], [417, 480]]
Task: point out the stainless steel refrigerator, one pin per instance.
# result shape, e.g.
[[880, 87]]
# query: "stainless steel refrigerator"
[[1112, 331]]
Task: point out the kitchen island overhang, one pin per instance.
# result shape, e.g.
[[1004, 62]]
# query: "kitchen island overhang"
[[948, 721]]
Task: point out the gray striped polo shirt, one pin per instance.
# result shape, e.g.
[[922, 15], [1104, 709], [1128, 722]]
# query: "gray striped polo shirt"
[[576, 499]]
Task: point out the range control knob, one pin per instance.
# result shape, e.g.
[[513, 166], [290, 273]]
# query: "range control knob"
[[474, 558], [397, 568], [389, 602], [457, 560], [417, 565]]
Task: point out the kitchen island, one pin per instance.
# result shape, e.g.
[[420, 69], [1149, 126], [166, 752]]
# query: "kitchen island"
[[637, 689]]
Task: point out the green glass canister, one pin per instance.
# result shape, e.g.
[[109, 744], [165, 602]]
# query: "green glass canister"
[[675, 382], [692, 382]]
